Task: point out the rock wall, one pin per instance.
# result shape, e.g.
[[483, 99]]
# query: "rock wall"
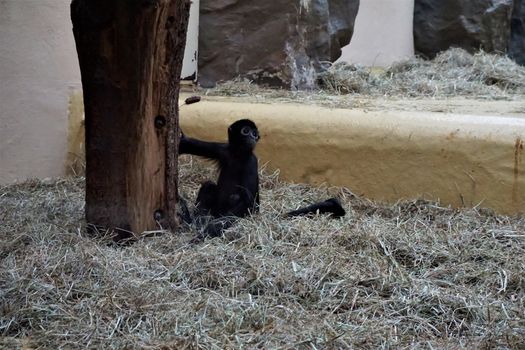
[[278, 43], [517, 36], [287, 42], [471, 25]]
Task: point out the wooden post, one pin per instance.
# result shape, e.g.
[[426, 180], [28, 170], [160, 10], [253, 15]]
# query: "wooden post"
[[130, 54]]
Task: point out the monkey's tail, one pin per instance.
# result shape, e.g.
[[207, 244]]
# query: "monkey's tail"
[[330, 206]]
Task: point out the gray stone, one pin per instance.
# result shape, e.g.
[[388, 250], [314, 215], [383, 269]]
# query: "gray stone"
[[469, 24], [517, 35], [277, 43]]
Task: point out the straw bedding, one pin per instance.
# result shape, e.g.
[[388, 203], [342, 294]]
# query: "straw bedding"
[[410, 275], [452, 73]]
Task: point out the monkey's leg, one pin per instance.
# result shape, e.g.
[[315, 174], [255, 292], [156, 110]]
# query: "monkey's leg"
[[206, 199], [205, 203], [183, 212]]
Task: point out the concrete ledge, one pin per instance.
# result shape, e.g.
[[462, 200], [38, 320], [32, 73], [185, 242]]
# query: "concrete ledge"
[[461, 160]]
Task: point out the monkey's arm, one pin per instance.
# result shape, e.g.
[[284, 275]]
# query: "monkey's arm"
[[211, 150]]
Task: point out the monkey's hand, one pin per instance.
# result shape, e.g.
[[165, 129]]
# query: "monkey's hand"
[[182, 138], [183, 142]]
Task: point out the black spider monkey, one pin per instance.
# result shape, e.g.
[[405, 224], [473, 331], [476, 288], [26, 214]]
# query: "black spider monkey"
[[236, 193]]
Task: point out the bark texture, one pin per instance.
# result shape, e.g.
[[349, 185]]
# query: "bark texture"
[[130, 54]]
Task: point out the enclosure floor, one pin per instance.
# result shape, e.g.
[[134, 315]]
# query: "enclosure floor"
[[408, 276]]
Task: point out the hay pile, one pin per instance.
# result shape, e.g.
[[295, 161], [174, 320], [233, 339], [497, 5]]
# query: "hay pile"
[[454, 72], [410, 275]]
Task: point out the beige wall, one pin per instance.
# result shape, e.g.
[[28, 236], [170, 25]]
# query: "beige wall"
[[461, 160], [38, 73], [383, 33]]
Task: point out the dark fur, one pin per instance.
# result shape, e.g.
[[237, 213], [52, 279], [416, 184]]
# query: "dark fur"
[[236, 193], [330, 206]]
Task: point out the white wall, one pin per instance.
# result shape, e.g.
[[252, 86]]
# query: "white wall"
[[38, 72], [382, 34], [190, 64]]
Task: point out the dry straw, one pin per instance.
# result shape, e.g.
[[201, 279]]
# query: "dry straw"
[[451, 73], [411, 275], [454, 72]]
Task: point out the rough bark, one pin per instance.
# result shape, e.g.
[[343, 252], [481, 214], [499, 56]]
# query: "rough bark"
[[130, 54]]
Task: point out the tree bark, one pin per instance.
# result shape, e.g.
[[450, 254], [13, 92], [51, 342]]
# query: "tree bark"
[[130, 54]]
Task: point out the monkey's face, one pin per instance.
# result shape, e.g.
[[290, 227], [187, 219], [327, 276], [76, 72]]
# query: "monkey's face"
[[243, 133]]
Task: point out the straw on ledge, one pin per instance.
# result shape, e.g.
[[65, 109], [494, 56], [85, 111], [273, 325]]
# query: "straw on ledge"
[[454, 72]]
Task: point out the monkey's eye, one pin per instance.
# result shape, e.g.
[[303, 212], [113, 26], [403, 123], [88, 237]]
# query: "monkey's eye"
[[246, 131]]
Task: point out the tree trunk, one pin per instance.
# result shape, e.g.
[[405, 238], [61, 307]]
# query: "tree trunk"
[[130, 54]]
